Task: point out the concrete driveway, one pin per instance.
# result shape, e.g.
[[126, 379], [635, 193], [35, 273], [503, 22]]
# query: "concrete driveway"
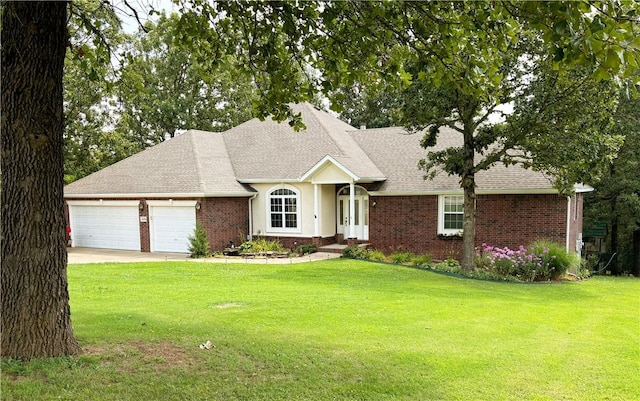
[[90, 255]]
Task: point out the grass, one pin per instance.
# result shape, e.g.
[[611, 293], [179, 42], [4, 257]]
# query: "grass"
[[336, 330]]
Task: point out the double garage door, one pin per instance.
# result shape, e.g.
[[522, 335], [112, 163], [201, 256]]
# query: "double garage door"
[[117, 224]]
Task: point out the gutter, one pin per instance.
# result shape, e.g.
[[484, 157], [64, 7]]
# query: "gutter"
[[568, 237], [250, 236], [157, 195]]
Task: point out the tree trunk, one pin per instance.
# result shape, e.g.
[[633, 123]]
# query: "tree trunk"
[[469, 228], [35, 314], [468, 184]]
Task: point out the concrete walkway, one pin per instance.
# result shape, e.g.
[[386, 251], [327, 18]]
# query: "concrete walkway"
[[90, 255]]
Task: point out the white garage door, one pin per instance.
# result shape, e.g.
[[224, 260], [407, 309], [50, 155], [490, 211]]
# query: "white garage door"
[[108, 226], [171, 226]]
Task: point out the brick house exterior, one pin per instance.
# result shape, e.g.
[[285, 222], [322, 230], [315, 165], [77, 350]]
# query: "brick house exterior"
[[408, 223], [330, 183]]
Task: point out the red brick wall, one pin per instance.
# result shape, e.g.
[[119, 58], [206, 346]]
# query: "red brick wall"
[[514, 220], [408, 223], [411, 222], [224, 220]]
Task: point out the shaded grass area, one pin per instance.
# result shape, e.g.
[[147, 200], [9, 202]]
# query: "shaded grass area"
[[336, 330]]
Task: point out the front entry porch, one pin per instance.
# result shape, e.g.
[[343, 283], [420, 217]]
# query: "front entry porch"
[[352, 214]]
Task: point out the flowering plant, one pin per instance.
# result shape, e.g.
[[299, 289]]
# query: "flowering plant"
[[520, 263]]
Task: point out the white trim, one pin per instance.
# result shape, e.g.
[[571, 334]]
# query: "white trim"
[[268, 180], [324, 161], [568, 236], [298, 228], [171, 202], [101, 202], [250, 235], [549, 191], [441, 229], [316, 210], [352, 210]]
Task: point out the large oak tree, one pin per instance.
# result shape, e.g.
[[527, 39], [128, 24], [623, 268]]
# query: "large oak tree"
[[35, 313]]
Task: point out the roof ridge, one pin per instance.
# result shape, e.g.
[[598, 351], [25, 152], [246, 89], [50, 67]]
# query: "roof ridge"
[[313, 111], [348, 146], [339, 144], [196, 156], [232, 162]]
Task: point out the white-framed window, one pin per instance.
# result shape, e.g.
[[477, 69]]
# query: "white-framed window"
[[283, 212], [450, 213]]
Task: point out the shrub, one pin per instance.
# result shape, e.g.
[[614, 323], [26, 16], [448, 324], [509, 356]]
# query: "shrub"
[[555, 257], [261, 245], [401, 257], [305, 249], [422, 260], [354, 252], [376, 255], [199, 243], [448, 266]]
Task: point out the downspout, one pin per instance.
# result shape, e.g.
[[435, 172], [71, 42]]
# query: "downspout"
[[568, 223], [250, 236]]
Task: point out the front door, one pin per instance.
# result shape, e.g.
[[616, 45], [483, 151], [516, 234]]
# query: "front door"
[[360, 216]]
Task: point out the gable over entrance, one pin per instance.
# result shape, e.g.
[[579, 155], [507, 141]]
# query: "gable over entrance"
[[329, 171]]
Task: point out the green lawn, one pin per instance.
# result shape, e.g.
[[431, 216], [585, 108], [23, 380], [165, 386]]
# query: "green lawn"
[[336, 330]]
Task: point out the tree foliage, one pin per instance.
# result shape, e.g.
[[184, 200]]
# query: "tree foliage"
[[163, 89], [562, 125], [89, 81], [616, 198]]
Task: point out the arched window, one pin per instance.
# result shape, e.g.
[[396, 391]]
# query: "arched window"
[[283, 210]]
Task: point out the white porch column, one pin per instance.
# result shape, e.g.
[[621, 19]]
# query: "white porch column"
[[352, 210], [316, 211]]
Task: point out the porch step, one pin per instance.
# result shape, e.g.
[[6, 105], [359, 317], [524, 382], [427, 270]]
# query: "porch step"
[[336, 248]]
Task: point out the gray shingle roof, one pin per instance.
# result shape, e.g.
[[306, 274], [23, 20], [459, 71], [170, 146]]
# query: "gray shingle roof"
[[195, 163], [267, 150], [397, 154], [200, 163]]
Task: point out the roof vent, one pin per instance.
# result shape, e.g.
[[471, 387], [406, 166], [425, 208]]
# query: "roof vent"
[[363, 127]]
